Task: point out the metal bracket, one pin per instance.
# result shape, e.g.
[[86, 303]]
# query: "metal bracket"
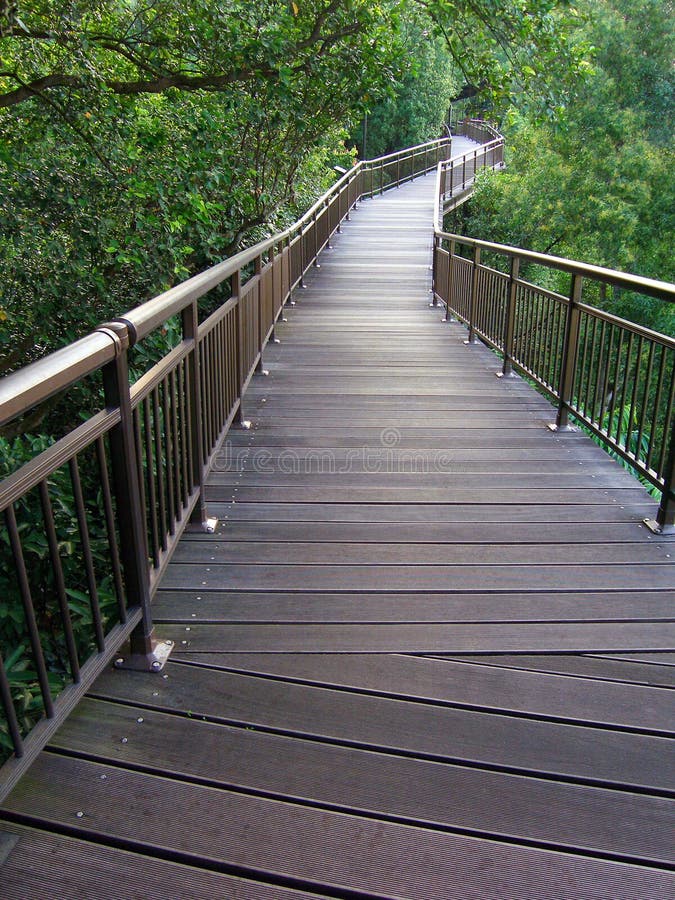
[[210, 525], [8, 841], [563, 429], [657, 528], [246, 424], [147, 662]]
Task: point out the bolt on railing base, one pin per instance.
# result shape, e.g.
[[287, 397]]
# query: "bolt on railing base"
[[153, 661], [657, 528], [510, 374], [564, 429], [207, 525]]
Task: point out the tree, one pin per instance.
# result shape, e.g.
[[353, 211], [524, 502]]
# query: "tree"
[[597, 185], [143, 141]]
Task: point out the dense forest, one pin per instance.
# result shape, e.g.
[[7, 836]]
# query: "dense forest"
[[144, 141], [595, 181]]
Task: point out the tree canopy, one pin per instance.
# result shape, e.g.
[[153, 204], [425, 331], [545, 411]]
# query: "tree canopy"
[[143, 140], [597, 184]]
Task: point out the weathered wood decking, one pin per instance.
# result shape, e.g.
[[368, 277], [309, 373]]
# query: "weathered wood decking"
[[416, 660]]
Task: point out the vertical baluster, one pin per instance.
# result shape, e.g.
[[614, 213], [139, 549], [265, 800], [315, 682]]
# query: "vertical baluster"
[[667, 418], [139, 465], [597, 390], [150, 475], [239, 339], [169, 467], [182, 433], [624, 391], [615, 388], [109, 513], [651, 442], [160, 464], [87, 556], [475, 272], [606, 386], [29, 611], [59, 582], [7, 705], [510, 317], [450, 284], [190, 326], [583, 368]]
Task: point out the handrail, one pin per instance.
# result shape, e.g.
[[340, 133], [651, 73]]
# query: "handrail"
[[133, 473], [613, 376]]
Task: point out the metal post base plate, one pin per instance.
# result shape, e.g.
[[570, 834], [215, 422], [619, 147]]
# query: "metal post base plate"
[[147, 662], [562, 429], [657, 528], [207, 526]]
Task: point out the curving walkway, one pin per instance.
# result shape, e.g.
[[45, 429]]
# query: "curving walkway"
[[423, 656]]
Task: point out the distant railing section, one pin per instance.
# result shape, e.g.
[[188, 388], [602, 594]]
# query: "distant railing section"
[[477, 130], [457, 175], [90, 522], [613, 376], [396, 169]]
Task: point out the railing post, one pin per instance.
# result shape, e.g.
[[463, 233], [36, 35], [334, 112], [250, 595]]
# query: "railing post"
[[434, 270], [146, 653], [472, 299], [664, 523], [190, 322], [302, 258], [235, 283], [510, 319], [315, 235], [260, 369], [569, 360]]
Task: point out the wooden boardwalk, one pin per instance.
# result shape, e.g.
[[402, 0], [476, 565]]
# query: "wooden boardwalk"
[[425, 655]]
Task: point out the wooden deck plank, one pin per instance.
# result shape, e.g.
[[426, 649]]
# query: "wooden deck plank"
[[383, 553], [319, 848], [236, 532], [442, 733], [461, 683], [416, 512], [198, 605], [53, 866], [580, 665], [394, 788], [319, 578]]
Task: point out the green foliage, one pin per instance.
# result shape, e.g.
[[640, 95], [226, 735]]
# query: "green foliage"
[[14, 636], [597, 186], [417, 105]]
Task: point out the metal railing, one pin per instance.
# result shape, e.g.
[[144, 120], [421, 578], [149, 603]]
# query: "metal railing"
[[91, 521], [613, 376], [395, 169]]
